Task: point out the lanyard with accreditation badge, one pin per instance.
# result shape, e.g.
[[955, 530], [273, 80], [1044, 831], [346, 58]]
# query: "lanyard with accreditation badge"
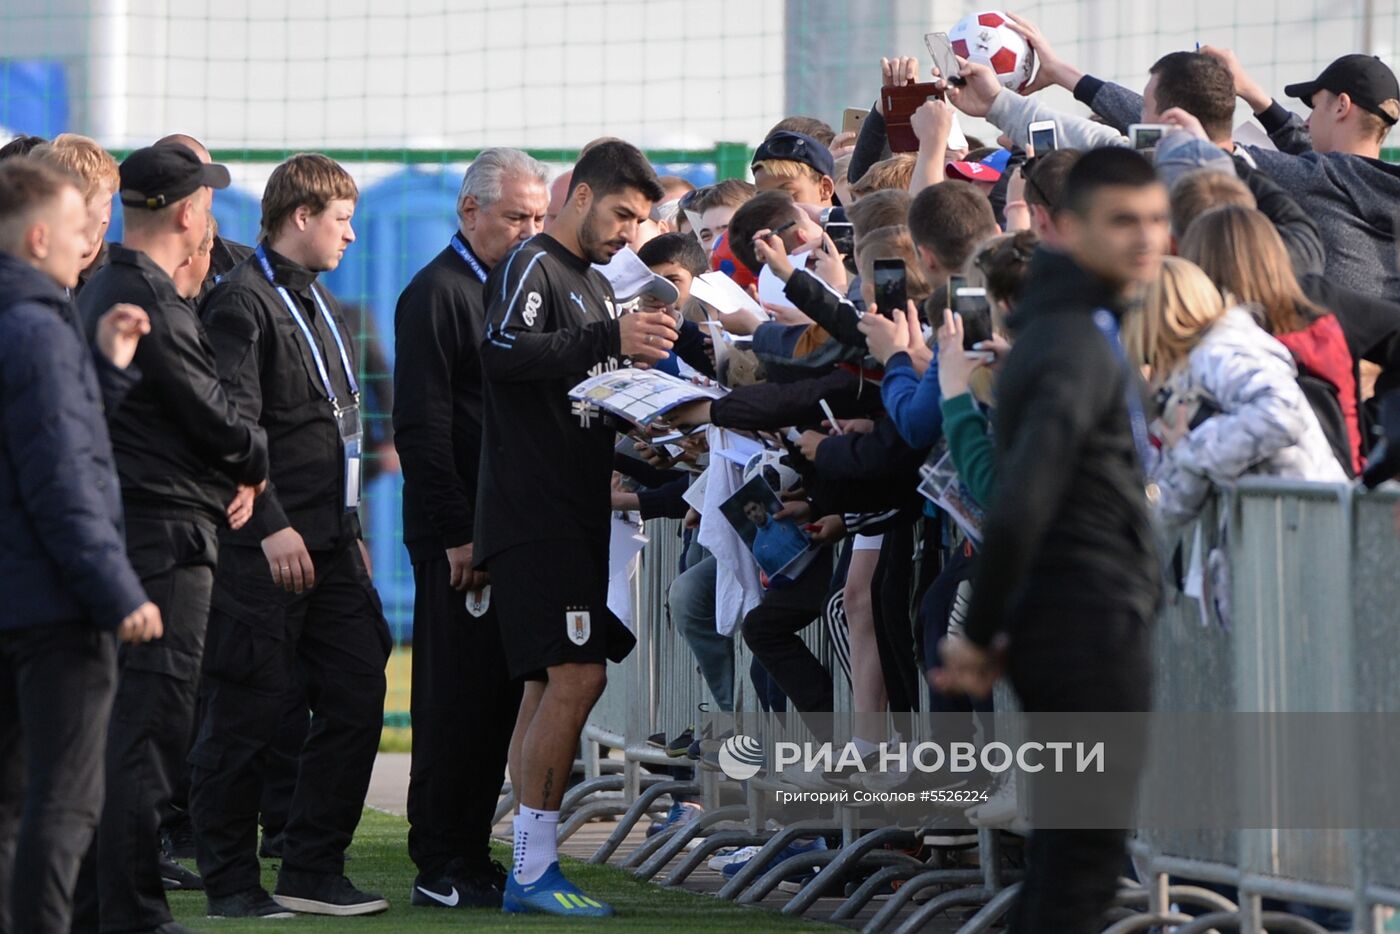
[[347, 417], [465, 252]]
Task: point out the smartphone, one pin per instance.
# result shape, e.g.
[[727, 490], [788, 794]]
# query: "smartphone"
[[976, 313], [1044, 136], [890, 290], [1147, 135], [955, 284], [843, 236], [944, 58], [852, 118]]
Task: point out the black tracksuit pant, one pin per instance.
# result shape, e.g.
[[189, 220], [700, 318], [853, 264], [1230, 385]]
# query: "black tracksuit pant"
[[151, 719], [771, 633], [57, 682], [1066, 659], [269, 650], [464, 707]]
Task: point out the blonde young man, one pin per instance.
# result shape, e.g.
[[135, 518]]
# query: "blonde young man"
[[97, 170]]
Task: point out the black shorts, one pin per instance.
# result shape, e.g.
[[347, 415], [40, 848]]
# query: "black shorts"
[[552, 602]]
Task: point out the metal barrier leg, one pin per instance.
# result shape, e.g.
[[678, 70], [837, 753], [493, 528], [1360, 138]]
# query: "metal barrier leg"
[[504, 806], [718, 841], [992, 912], [1275, 921], [589, 787], [867, 890], [794, 831], [734, 812], [936, 906], [1179, 894], [914, 886], [603, 807], [787, 869], [846, 858], [833, 874], [1145, 922], [635, 813]]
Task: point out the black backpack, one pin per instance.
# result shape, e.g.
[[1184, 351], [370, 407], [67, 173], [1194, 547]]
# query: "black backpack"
[[1326, 404]]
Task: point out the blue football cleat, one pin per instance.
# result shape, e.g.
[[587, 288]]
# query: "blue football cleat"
[[552, 894]]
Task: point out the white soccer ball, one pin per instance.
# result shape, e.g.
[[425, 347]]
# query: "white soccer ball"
[[987, 39], [779, 476]]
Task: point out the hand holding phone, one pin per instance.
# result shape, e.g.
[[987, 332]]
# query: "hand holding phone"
[[945, 60], [1147, 135], [891, 290], [1044, 136]]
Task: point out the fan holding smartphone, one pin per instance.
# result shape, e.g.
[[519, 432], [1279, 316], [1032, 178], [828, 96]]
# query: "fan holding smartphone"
[[891, 287]]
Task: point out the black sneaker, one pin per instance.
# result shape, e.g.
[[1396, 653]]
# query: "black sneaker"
[[657, 741], [176, 878], [457, 886], [680, 746], [318, 893], [252, 903], [177, 837]]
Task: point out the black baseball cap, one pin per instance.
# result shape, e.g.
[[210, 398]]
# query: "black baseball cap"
[[1367, 80], [159, 175], [796, 147]]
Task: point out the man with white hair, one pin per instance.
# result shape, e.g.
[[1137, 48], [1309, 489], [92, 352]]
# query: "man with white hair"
[[464, 702]]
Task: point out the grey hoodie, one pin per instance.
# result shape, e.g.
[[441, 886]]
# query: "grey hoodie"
[[1353, 199]]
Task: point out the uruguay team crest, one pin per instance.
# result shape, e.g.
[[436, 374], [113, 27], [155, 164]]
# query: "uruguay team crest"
[[578, 625]]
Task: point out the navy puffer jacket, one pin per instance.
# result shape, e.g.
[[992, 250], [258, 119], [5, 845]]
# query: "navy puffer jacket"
[[62, 551]]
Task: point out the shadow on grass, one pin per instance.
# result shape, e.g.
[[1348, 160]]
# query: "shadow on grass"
[[379, 863]]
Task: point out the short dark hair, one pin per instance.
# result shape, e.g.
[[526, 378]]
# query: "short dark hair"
[[888, 207], [1107, 167], [767, 209], [25, 186], [613, 166], [1199, 84], [729, 193], [682, 249], [20, 146], [1045, 185], [819, 130], [950, 219]]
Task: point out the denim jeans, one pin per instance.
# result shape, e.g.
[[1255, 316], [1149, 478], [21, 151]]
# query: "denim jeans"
[[692, 601]]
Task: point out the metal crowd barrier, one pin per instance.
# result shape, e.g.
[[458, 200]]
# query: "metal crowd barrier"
[[1314, 591]]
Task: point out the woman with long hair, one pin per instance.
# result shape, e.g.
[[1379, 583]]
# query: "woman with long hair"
[[1243, 254], [1230, 400]]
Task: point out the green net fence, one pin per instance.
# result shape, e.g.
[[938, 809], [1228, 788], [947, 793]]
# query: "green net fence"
[[405, 92]]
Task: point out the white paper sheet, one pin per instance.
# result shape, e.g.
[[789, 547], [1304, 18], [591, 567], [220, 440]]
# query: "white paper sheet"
[[627, 543], [627, 273], [725, 296], [770, 287]]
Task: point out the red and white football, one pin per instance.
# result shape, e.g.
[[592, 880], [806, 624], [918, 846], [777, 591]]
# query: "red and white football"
[[988, 38]]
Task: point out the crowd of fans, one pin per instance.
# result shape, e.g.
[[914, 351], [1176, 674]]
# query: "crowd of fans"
[[1094, 338]]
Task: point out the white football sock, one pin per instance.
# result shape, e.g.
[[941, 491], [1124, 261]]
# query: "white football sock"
[[536, 843], [864, 747]]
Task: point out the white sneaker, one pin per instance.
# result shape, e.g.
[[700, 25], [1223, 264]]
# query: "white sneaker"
[[813, 780], [878, 779], [999, 810], [742, 855]]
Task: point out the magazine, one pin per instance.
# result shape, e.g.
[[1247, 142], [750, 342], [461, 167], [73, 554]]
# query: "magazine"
[[639, 396], [779, 546], [942, 487]]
